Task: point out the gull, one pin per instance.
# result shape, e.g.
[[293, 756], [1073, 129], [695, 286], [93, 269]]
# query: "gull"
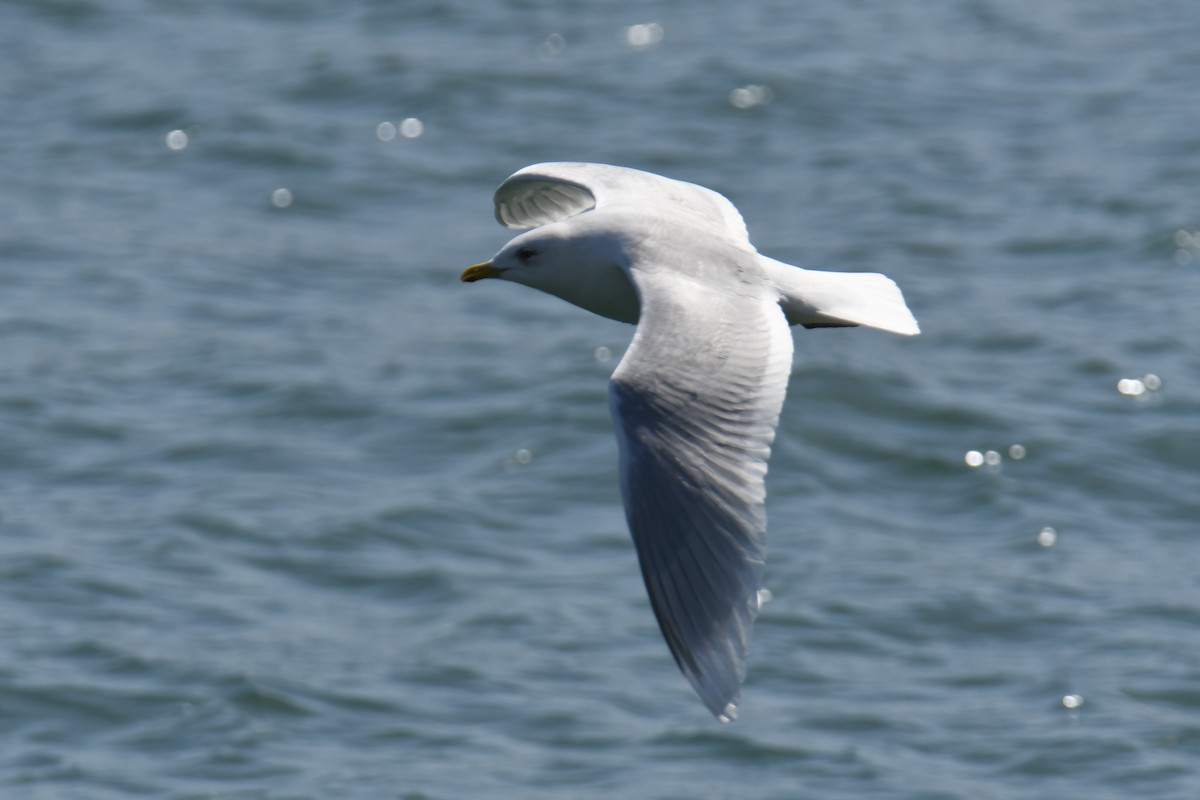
[[695, 400]]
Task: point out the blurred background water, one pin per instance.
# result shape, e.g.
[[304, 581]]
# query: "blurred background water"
[[288, 512]]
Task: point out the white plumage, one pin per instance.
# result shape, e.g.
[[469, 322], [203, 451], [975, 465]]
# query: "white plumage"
[[696, 399]]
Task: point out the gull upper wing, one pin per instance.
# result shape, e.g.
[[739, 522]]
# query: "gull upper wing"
[[544, 193], [695, 402]]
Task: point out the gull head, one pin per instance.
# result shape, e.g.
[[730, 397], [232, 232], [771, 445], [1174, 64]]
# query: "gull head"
[[578, 262]]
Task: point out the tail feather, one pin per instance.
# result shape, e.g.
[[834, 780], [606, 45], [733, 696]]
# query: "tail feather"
[[839, 299]]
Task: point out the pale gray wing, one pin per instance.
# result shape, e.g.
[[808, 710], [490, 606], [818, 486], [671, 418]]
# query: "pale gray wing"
[[530, 199], [695, 402], [553, 191]]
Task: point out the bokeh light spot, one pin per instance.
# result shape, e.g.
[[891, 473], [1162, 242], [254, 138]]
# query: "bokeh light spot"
[[1132, 387], [1188, 246], [412, 128], [750, 96], [644, 35], [552, 47]]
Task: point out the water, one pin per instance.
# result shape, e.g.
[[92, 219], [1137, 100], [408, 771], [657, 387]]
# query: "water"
[[287, 512]]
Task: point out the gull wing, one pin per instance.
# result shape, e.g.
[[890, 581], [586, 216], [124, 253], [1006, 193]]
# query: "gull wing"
[[695, 402], [544, 193]]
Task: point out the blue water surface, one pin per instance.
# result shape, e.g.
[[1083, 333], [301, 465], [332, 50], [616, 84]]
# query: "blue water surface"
[[288, 512]]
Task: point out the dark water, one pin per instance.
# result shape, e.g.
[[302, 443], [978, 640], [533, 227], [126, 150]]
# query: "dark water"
[[287, 512]]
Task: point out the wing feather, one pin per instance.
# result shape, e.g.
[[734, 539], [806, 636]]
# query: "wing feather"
[[545, 193], [695, 402]]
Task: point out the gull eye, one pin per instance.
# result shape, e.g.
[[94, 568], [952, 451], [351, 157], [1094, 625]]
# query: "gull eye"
[[526, 253]]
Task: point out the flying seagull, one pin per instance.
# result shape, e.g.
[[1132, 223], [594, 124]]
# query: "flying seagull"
[[696, 398]]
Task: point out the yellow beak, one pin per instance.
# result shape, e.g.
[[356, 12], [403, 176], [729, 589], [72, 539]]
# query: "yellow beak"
[[479, 272]]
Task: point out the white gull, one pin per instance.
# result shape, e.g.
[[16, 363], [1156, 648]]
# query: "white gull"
[[696, 398]]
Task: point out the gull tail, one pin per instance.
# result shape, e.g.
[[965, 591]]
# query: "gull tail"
[[840, 299]]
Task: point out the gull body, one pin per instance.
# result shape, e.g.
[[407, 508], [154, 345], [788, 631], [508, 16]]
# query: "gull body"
[[696, 398]]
